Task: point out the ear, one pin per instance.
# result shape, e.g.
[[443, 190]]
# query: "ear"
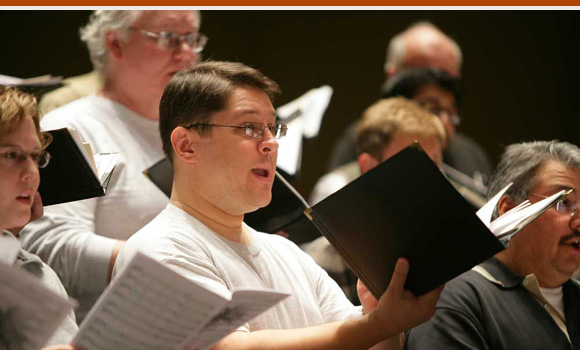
[[184, 143], [505, 204], [114, 44], [366, 162]]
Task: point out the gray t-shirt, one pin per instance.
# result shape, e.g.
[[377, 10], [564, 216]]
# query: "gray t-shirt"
[[183, 243]]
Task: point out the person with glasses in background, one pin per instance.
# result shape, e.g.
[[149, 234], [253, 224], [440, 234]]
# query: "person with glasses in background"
[[437, 92], [138, 52], [218, 127], [22, 153], [423, 45], [525, 296]]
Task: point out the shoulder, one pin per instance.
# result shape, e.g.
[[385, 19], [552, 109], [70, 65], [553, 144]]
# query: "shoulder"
[[463, 292], [330, 183], [74, 113]]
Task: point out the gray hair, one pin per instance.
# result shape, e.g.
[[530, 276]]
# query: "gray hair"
[[103, 21], [520, 164], [398, 45]]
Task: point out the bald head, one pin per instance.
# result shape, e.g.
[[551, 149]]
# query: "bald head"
[[423, 45]]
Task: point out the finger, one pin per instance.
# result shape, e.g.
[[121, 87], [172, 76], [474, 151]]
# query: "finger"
[[38, 198], [399, 276]]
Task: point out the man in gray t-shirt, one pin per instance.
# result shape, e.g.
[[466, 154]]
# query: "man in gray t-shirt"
[[218, 126]]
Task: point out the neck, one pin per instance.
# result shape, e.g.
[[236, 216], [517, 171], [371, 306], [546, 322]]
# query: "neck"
[[524, 267], [142, 101], [185, 197]]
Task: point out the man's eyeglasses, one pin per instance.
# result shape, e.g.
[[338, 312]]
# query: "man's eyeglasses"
[[433, 107], [17, 158], [255, 130], [564, 205], [172, 41]]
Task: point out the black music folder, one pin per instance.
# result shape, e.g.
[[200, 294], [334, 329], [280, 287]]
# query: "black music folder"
[[73, 172], [404, 207]]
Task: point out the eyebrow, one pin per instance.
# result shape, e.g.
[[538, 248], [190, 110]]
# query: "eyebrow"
[[559, 187], [13, 145], [242, 113]]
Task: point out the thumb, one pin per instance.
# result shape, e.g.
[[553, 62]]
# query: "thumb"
[[399, 277]]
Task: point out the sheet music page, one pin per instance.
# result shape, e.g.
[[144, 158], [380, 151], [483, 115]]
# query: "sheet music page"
[[79, 142], [290, 147], [513, 223], [148, 306], [29, 312], [245, 305], [105, 163], [9, 248]]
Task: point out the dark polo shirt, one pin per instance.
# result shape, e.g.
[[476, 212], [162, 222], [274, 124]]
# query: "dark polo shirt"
[[498, 312]]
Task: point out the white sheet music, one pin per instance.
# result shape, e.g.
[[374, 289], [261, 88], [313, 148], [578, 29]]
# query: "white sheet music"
[[303, 117], [29, 312], [149, 306], [245, 305]]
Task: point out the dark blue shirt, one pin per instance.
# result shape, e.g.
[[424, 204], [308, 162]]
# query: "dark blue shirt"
[[476, 313]]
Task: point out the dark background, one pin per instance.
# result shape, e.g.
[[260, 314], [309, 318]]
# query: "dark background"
[[519, 72]]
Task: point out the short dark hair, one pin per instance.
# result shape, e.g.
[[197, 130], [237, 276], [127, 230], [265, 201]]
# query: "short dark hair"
[[521, 162], [194, 95], [408, 82]]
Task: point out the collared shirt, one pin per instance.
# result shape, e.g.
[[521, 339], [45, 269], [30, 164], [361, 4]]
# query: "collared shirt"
[[491, 307]]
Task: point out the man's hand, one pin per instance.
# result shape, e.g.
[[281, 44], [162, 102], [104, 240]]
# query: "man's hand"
[[398, 309], [36, 212]]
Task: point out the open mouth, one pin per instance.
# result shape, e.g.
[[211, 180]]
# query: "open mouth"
[[24, 199], [574, 244], [264, 173]]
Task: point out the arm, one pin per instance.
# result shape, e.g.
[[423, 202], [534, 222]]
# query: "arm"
[[65, 238], [396, 311]]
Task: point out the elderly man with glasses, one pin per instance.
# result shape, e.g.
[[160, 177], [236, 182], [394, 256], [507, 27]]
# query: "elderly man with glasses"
[[524, 297], [219, 129], [137, 52]]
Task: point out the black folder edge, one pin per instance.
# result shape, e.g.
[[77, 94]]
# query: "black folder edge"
[[93, 189]]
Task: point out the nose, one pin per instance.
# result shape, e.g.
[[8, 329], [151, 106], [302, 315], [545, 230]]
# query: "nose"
[[30, 172], [575, 220], [185, 53], [268, 144]]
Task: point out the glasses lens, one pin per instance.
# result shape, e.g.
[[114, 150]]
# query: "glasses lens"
[[200, 41], [43, 159], [168, 40], [279, 130], [566, 206], [254, 130]]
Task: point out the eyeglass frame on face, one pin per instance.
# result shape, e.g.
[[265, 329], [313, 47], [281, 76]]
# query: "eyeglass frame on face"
[[278, 130], [560, 207], [17, 158], [197, 44], [453, 116]]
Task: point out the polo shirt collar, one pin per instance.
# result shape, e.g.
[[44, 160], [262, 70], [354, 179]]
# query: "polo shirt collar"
[[502, 275]]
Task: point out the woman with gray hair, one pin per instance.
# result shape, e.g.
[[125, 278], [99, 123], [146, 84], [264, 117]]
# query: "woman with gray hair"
[[138, 52]]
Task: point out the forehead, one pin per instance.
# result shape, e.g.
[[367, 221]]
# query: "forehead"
[[24, 135], [246, 102], [166, 20], [553, 176]]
